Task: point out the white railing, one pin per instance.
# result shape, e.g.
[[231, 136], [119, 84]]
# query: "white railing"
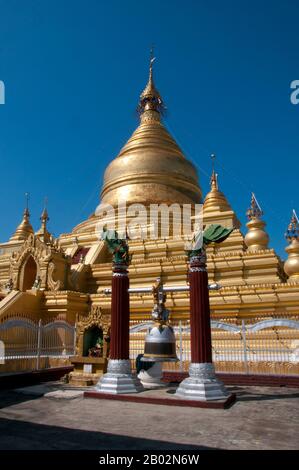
[[269, 346], [24, 339]]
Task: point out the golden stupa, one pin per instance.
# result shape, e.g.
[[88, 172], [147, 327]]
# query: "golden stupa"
[[291, 266], [24, 229], [74, 270], [150, 168]]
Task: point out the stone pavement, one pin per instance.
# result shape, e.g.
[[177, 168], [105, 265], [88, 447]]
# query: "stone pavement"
[[50, 416]]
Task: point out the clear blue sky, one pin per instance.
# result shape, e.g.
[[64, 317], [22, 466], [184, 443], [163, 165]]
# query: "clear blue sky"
[[73, 72]]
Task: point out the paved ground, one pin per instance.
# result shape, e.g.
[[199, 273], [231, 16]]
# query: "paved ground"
[[49, 417]]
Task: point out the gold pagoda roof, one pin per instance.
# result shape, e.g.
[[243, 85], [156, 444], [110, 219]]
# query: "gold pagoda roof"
[[151, 167], [24, 229], [215, 198], [216, 208]]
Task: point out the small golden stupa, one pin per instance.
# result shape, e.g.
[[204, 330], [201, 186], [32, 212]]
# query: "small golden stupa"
[[25, 228], [256, 237]]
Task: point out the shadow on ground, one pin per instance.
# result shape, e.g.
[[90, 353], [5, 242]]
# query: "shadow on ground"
[[23, 435], [246, 395], [9, 398]]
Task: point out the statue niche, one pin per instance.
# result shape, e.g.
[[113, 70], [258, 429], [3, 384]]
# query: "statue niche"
[[93, 342], [92, 348]]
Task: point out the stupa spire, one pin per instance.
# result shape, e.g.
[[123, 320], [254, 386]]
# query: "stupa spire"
[[291, 266], [43, 231], [216, 208], [256, 238], [215, 199], [25, 228], [150, 168], [150, 104], [214, 177]]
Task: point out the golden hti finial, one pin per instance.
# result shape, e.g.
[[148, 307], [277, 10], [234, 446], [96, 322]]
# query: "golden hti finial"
[[214, 177], [25, 228], [293, 228], [44, 217], [150, 104], [256, 238], [26, 212], [43, 231], [254, 211], [152, 60], [291, 266]]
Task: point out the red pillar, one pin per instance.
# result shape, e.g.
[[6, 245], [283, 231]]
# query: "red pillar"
[[201, 345], [120, 313]]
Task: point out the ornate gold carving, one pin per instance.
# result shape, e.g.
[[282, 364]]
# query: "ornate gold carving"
[[48, 258], [97, 318], [53, 285]]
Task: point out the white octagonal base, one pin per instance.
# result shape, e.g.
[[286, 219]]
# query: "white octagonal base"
[[119, 378], [202, 384]]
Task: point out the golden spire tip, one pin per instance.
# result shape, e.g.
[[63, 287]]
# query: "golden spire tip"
[[26, 211], [214, 177], [293, 228], [45, 216], [150, 102], [255, 210]]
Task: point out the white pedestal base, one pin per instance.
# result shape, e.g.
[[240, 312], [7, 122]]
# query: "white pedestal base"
[[202, 384], [151, 378], [119, 378]]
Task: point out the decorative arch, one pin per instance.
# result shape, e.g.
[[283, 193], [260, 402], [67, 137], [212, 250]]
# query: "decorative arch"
[[95, 319], [51, 265]]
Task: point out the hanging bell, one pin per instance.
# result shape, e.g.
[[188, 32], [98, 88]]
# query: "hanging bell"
[[159, 344]]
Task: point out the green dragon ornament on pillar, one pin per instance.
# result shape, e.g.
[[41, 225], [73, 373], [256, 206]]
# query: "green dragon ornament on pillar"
[[117, 246], [119, 377], [202, 383], [214, 233]]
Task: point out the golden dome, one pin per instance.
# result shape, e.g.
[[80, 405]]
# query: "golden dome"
[[291, 266], [151, 167], [24, 229], [256, 238]]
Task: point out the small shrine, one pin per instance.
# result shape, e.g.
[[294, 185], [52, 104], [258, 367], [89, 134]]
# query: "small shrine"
[[92, 347]]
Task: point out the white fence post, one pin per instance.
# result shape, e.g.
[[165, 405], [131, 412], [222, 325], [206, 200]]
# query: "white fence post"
[[75, 338], [39, 335], [244, 347], [181, 345]]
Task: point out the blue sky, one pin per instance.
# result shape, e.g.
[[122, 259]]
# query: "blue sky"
[[73, 72]]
